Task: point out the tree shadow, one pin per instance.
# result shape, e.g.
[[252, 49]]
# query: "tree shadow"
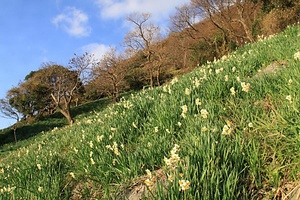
[[48, 123], [26, 131]]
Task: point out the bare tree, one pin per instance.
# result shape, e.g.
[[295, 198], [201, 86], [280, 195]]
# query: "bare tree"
[[142, 38], [247, 14], [10, 113], [229, 16], [110, 74], [187, 30], [184, 20], [83, 66]]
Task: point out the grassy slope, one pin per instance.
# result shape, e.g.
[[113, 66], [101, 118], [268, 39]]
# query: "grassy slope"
[[107, 152], [25, 133]]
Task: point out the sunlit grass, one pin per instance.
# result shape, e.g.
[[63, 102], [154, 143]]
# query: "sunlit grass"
[[220, 132]]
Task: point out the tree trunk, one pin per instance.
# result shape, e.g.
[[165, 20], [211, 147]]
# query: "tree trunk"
[[224, 35], [184, 59], [64, 111], [158, 75], [157, 79], [15, 133], [151, 78], [247, 31], [69, 118], [67, 114], [245, 26]]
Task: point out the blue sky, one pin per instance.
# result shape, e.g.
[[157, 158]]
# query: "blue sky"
[[36, 31]]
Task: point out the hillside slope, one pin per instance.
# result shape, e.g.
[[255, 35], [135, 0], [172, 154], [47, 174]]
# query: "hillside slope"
[[228, 130]]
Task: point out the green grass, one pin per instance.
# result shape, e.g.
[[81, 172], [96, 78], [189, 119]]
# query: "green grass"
[[25, 133], [244, 146]]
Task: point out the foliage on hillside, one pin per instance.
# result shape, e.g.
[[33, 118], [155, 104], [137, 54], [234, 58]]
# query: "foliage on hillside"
[[148, 59], [227, 130]]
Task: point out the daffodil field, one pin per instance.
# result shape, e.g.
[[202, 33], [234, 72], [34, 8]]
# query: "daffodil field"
[[228, 130]]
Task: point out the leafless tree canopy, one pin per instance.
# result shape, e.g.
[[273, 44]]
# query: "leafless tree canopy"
[[184, 18], [83, 65], [8, 111], [109, 74], [227, 15], [143, 35], [142, 38]]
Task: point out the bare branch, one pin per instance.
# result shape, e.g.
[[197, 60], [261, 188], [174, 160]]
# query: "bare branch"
[[8, 111], [144, 33], [110, 74], [184, 18]]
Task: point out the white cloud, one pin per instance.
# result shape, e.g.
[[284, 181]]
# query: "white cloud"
[[98, 50], [73, 21], [115, 9]]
